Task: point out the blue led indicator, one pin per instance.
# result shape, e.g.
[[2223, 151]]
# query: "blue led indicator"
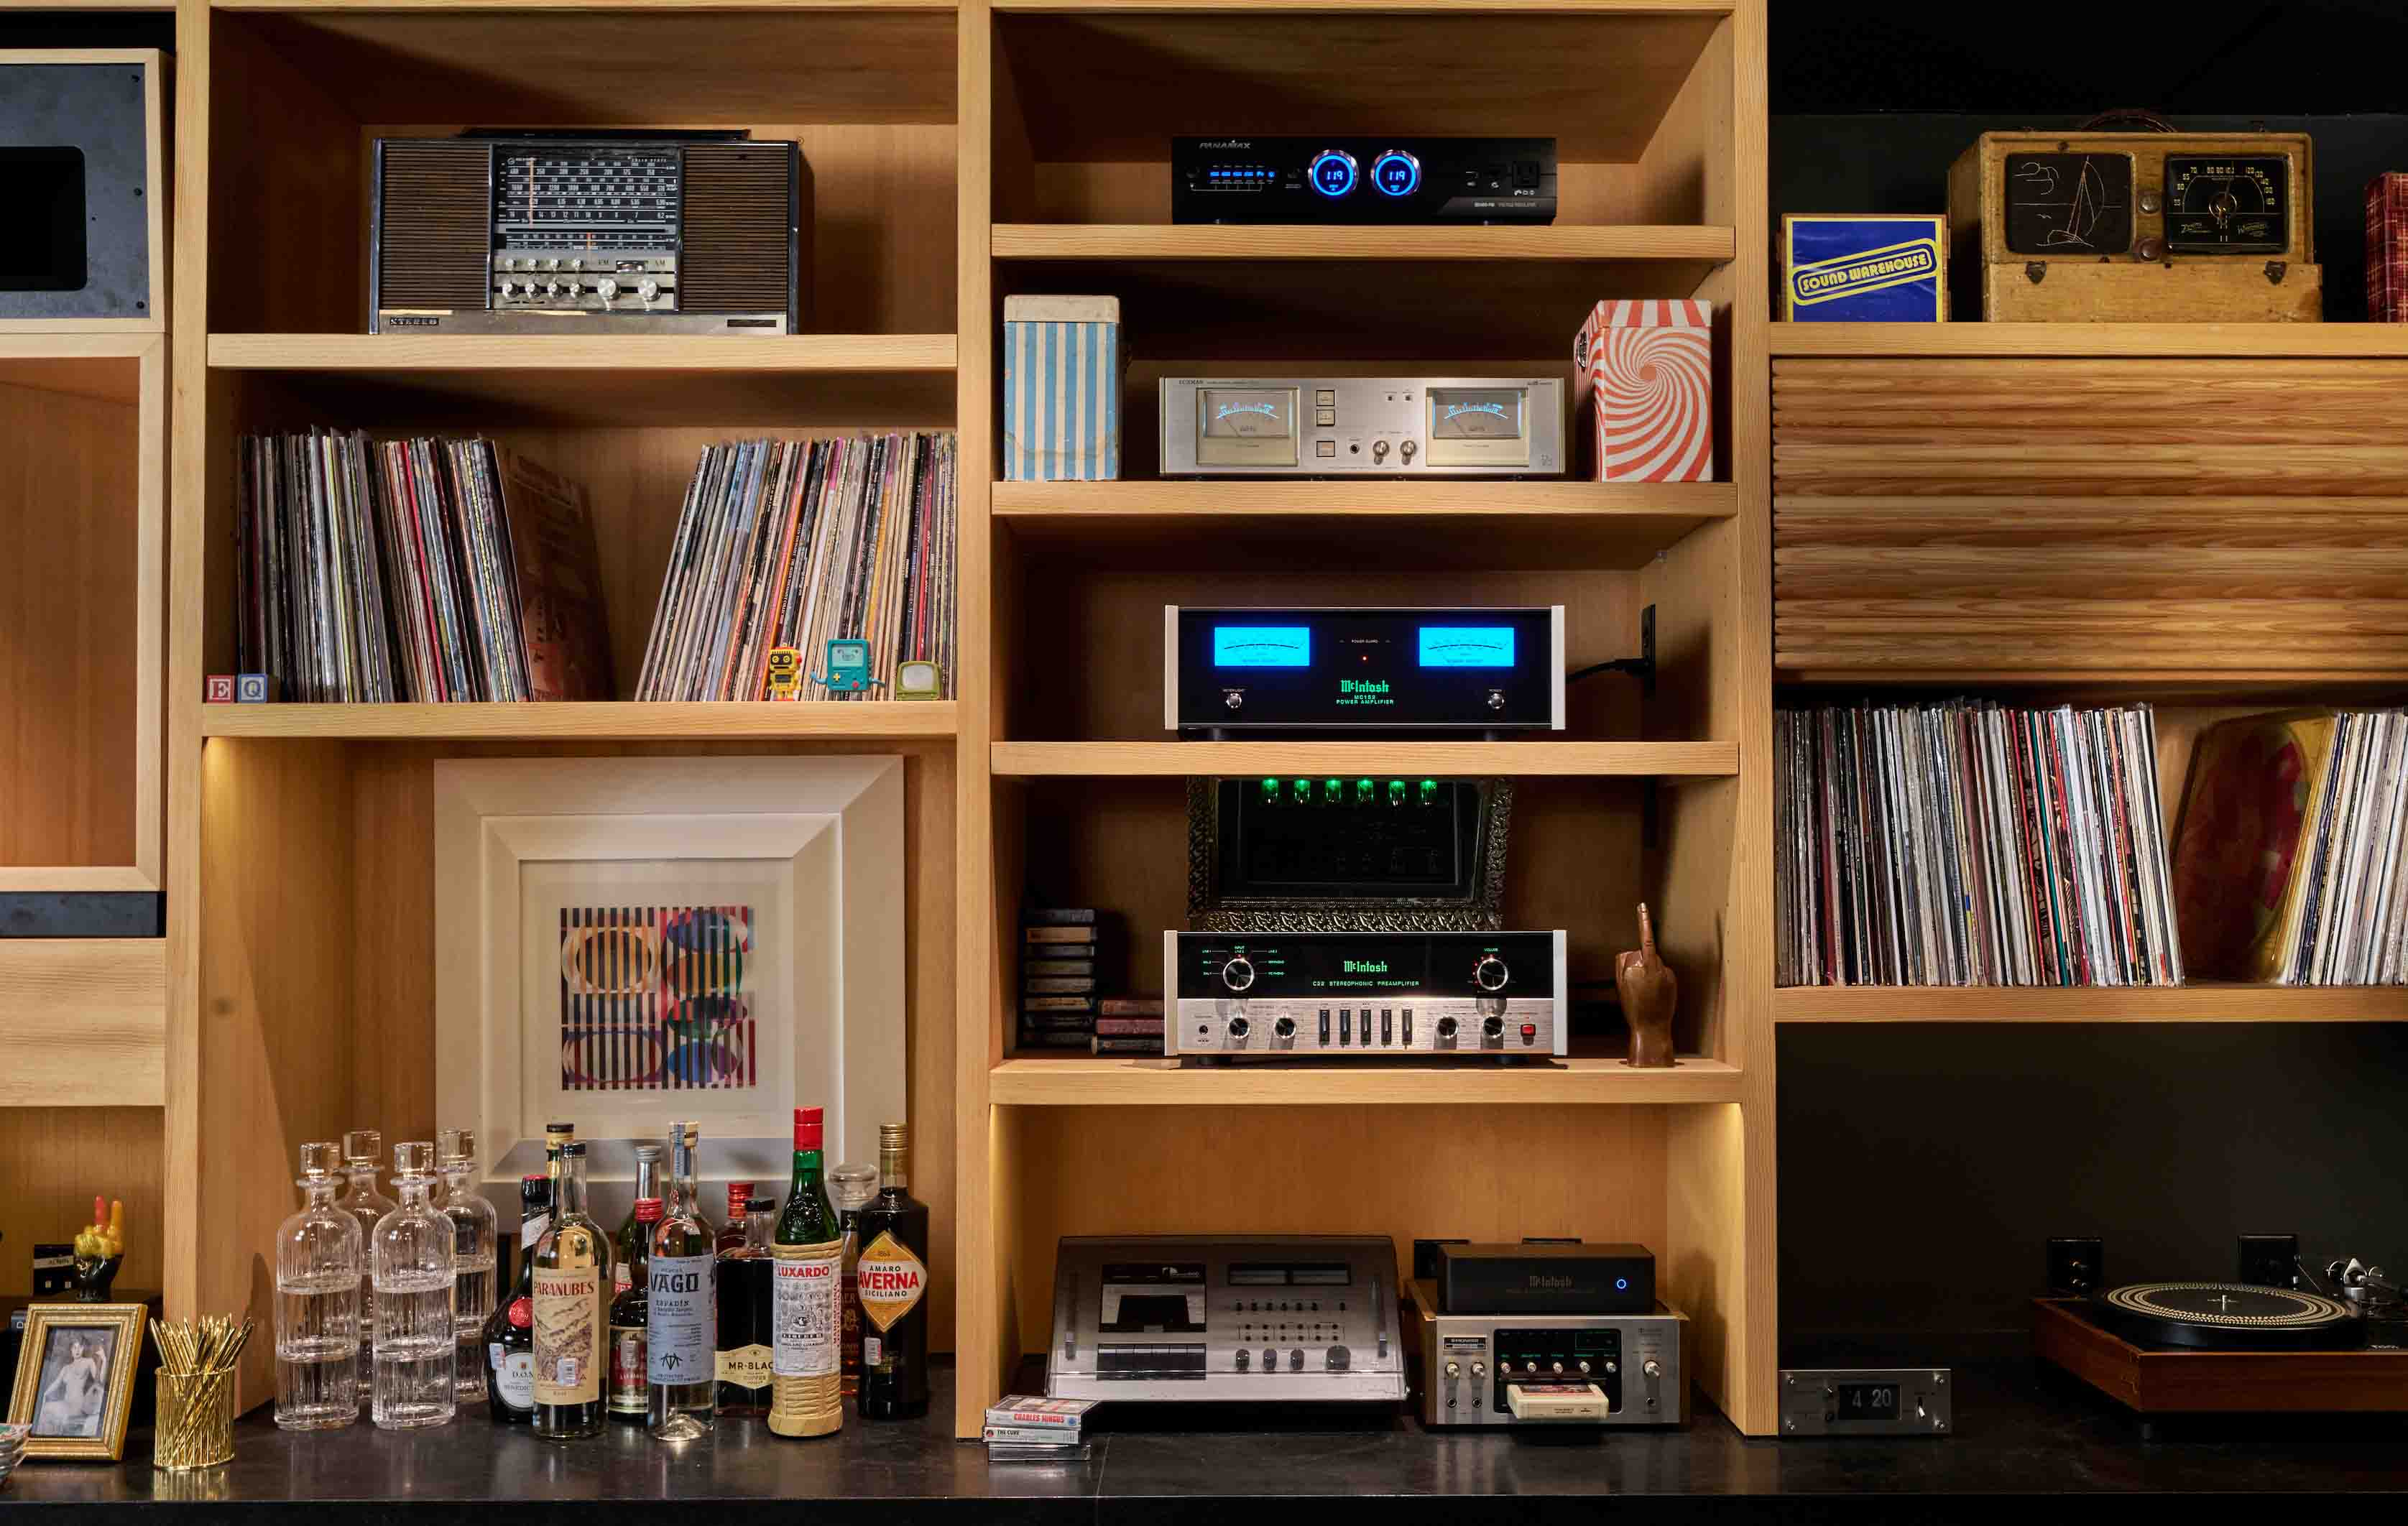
[[1262, 645], [1621, 1285], [1467, 645]]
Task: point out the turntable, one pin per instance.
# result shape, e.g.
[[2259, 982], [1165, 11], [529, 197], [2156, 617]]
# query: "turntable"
[[2221, 1348]]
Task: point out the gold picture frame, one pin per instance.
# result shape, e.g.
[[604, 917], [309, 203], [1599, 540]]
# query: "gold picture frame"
[[105, 1401]]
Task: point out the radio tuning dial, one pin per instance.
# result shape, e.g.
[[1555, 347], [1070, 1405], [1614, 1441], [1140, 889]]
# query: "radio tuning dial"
[[1238, 974], [1490, 974], [647, 288], [606, 287]]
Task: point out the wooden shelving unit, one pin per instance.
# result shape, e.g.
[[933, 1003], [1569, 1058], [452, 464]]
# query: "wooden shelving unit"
[[623, 720], [2147, 341], [961, 152], [1112, 1081]]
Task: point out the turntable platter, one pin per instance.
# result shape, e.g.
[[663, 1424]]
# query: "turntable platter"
[[2229, 1317]]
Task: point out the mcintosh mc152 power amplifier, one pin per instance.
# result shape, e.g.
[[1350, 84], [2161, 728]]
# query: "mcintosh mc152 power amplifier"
[[1489, 670], [1393, 995]]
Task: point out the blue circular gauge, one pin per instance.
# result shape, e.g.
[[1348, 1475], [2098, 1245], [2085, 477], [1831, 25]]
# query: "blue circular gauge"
[[1333, 173], [1395, 173]]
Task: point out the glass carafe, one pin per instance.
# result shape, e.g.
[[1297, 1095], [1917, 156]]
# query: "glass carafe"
[[417, 1269], [362, 1158], [476, 1245], [318, 1261]]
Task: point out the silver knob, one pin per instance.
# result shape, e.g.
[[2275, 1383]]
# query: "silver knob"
[[647, 288], [552, 264], [1480, 1369], [1406, 451], [606, 288], [1490, 974], [1559, 1366], [1238, 974], [1583, 1366], [551, 289], [1652, 1367], [1454, 1369], [509, 286], [1379, 449], [576, 264]]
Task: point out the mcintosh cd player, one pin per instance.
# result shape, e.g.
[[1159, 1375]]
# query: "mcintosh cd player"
[[1488, 670], [1385, 995]]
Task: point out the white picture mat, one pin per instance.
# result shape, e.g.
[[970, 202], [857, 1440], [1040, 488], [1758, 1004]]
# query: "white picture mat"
[[824, 833]]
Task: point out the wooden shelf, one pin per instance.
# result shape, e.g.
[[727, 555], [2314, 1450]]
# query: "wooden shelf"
[[703, 721], [1182, 760], [1077, 1080], [854, 380], [2255, 341], [794, 353], [2212, 1002], [1490, 527], [1215, 241], [83, 1022]]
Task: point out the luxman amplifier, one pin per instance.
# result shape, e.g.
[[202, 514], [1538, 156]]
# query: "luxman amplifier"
[[1383, 995], [1545, 1278], [1391, 669], [652, 233], [1377, 426], [1362, 179], [1206, 1318], [1542, 1369]]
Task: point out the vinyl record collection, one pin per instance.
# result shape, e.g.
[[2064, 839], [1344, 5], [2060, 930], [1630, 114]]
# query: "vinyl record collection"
[[1967, 844], [414, 569], [2288, 860], [791, 543]]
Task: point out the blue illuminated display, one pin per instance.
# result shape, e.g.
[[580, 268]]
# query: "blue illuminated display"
[[1266, 646], [1397, 173], [1333, 172], [1467, 645]]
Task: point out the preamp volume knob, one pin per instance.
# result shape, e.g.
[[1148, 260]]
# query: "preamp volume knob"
[[1239, 974], [1284, 1028], [1493, 1026], [1446, 1027], [1239, 1027], [1490, 974]]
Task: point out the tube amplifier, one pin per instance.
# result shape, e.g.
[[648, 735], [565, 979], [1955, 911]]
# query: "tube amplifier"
[[700, 233]]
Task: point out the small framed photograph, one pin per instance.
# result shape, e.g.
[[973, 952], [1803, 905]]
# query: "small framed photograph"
[[75, 1379]]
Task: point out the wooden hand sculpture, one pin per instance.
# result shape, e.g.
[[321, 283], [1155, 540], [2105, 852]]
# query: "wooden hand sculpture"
[[1649, 994]]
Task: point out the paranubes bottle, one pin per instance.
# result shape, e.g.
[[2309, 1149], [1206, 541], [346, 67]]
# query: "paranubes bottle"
[[893, 1279]]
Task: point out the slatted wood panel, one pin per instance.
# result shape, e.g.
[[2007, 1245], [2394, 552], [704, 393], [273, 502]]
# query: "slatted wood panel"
[[2084, 517]]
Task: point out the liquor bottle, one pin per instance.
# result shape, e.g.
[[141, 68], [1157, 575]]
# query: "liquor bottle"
[[572, 1268], [849, 1188], [475, 1245], [680, 1385], [631, 1315], [811, 1269], [742, 1355], [647, 1185], [417, 1276], [510, 1333], [362, 1150], [894, 1279], [318, 1259], [731, 1235]]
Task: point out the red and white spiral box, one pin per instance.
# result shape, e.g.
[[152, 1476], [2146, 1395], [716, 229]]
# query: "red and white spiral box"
[[1643, 393]]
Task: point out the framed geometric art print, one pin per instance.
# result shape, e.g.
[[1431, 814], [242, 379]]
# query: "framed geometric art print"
[[624, 941]]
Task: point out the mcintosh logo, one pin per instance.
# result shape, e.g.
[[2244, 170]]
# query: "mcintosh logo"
[[1367, 967]]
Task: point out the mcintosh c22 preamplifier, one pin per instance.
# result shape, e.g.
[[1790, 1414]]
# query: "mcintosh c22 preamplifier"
[[1390, 996], [1493, 670]]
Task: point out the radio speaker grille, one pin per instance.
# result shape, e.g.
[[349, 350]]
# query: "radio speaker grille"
[[435, 226], [737, 229]]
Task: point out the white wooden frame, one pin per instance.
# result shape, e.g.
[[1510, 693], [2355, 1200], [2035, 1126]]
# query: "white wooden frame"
[[828, 831]]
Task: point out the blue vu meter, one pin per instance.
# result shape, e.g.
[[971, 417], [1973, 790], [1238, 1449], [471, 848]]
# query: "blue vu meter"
[[1333, 172], [1489, 669]]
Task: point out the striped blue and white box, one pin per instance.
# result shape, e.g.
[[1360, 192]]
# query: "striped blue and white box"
[[1062, 376]]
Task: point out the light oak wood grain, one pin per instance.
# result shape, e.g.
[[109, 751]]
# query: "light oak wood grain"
[[53, 1160], [1117, 1082], [84, 1022], [1180, 760], [1133, 241], [872, 720], [2209, 1002], [2252, 341], [409, 353]]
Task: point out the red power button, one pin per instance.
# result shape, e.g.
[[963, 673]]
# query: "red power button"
[[1530, 1032]]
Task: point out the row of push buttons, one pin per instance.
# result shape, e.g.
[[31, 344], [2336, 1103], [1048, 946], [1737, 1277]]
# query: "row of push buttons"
[[1324, 415], [1388, 1025]]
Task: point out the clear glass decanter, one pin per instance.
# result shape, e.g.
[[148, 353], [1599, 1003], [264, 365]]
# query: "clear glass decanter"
[[416, 1269], [362, 1158], [318, 1261], [476, 1241]]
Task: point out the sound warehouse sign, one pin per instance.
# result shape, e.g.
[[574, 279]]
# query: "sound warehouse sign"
[[1870, 271], [892, 1280]]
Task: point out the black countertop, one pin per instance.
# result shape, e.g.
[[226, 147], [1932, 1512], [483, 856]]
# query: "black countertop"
[[2023, 1437]]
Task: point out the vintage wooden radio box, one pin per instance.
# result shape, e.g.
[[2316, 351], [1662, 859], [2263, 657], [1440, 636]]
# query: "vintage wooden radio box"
[[2137, 227]]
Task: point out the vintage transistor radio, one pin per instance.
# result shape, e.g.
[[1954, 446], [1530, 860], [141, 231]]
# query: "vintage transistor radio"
[[2121, 227], [698, 233]]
